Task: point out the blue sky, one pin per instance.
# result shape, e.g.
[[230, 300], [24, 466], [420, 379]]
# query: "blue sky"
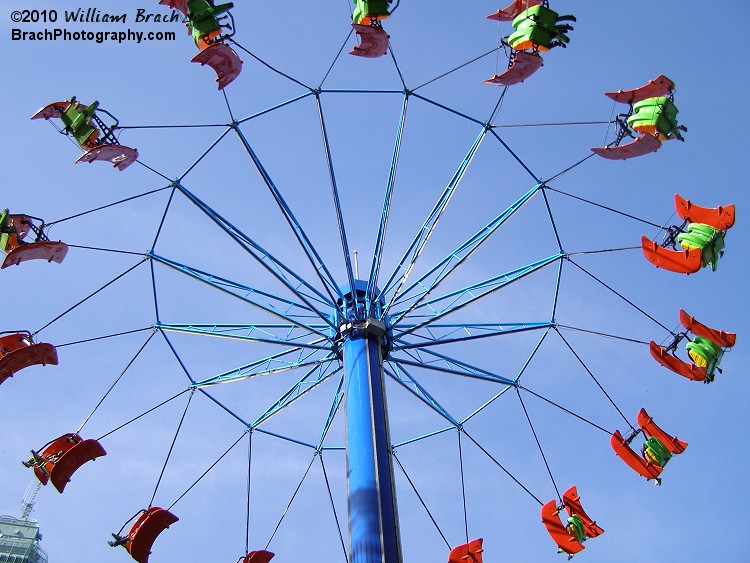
[[696, 515]]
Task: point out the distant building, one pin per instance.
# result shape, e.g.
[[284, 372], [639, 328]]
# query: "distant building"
[[19, 541]]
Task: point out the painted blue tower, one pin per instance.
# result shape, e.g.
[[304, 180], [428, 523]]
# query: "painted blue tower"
[[364, 342]]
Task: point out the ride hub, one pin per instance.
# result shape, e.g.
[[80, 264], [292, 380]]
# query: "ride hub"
[[359, 315]]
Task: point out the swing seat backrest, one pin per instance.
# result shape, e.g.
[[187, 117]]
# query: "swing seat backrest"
[[467, 553], [650, 428], [51, 251], [64, 456], [719, 337], [641, 146], [512, 11], [659, 86], [679, 261], [179, 5], [572, 503], [720, 218], [223, 59], [373, 41], [53, 110], [119, 156], [145, 530], [260, 556], [21, 354], [524, 65], [636, 462], [566, 541], [675, 364]]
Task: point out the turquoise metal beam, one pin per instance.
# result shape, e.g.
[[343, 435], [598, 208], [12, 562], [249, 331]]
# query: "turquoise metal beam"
[[298, 390], [274, 363], [448, 265], [243, 292], [247, 333], [463, 297], [410, 257], [483, 330]]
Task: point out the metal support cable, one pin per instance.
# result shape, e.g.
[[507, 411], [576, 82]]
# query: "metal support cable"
[[291, 500], [249, 482], [594, 378], [94, 339], [171, 448], [214, 464], [100, 249], [121, 426], [463, 485], [82, 213], [82, 301], [500, 465], [614, 336], [421, 500], [117, 379], [621, 296], [568, 411], [613, 210], [267, 65], [333, 507], [539, 445]]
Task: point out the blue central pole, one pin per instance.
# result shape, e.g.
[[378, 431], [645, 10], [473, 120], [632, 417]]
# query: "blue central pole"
[[373, 520]]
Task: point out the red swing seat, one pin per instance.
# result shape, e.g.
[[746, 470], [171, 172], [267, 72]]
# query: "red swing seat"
[[119, 155], [51, 251], [143, 533], [467, 553], [693, 372], [373, 41], [223, 59], [718, 337], [659, 86], [260, 556], [679, 261], [510, 13], [636, 462], [720, 218], [647, 143], [572, 503], [53, 110], [19, 352], [180, 5], [63, 457], [675, 364], [564, 539], [17, 251], [651, 429], [524, 65], [639, 147]]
